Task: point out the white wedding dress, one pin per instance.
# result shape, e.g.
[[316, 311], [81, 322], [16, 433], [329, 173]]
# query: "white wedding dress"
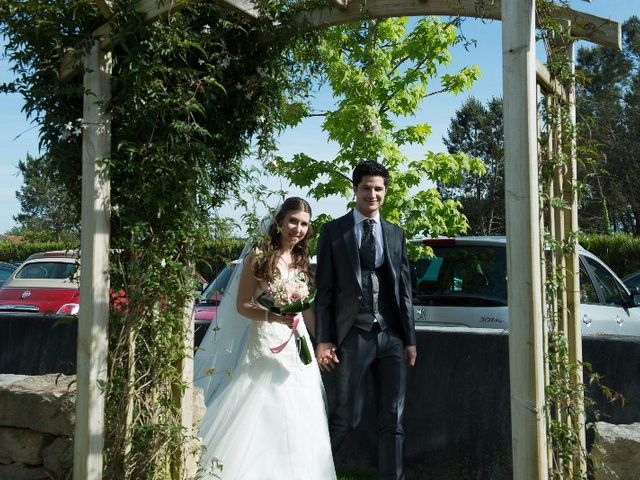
[[266, 416]]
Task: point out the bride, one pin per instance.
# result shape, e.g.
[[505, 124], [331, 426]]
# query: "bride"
[[266, 416]]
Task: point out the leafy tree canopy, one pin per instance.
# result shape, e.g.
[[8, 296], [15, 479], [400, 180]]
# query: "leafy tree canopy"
[[380, 72]]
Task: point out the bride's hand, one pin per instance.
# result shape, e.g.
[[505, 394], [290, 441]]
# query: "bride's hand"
[[326, 356], [287, 319]]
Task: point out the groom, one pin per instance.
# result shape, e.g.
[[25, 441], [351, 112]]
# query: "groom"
[[364, 316]]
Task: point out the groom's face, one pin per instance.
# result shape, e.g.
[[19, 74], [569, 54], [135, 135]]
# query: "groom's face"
[[370, 194]]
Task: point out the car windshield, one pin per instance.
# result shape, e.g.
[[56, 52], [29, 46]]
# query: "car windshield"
[[461, 275], [48, 270], [218, 286]]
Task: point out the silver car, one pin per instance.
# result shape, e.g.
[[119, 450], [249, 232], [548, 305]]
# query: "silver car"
[[465, 285]]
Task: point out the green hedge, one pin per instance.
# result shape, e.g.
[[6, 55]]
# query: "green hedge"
[[212, 256], [620, 251], [18, 252], [216, 254]]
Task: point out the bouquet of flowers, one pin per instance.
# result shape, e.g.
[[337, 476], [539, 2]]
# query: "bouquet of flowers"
[[285, 296]]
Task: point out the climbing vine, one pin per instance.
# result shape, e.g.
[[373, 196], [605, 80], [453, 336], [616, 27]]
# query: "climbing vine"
[[566, 397], [192, 94]]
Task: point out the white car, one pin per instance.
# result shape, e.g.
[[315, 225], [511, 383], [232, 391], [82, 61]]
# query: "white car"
[[465, 285]]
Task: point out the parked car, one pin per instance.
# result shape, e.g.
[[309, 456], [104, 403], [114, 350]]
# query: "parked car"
[[6, 269], [632, 282], [207, 305], [465, 284], [46, 283]]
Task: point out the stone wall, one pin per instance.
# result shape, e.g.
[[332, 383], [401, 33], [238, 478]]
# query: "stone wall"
[[457, 415], [37, 422], [37, 416]]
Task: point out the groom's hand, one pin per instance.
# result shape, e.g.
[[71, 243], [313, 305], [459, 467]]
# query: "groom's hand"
[[326, 356], [410, 354]]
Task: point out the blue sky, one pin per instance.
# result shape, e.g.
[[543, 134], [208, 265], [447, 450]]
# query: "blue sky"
[[18, 137]]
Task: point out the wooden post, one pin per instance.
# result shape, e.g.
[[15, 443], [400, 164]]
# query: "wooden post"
[[574, 333], [526, 357], [187, 465], [94, 264]]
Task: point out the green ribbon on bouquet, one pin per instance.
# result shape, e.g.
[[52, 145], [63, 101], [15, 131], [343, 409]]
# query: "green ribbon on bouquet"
[[304, 352]]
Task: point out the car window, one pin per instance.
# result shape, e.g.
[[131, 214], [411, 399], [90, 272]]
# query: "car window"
[[588, 292], [5, 273], [633, 280], [219, 284], [461, 271], [612, 292], [48, 270]]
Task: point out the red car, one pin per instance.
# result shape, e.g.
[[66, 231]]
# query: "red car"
[[46, 283]]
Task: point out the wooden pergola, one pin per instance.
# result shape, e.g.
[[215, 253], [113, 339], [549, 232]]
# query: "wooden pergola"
[[522, 78]]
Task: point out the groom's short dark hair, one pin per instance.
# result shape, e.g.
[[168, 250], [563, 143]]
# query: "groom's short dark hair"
[[369, 168]]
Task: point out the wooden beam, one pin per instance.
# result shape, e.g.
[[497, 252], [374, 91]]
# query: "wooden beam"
[[94, 265], [329, 16], [247, 8], [153, 9], [341, 4], [598, 30], [546, 82], [526, 335], [105, 7], [595, 29]]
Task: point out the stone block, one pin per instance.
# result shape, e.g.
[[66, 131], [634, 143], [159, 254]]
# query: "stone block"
[[58, 457], [21, 445], [44, 403], [18, 471], [617, 451]]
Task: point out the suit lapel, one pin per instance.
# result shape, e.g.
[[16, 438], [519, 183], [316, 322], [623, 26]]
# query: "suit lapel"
[[390, 244], [347, 224]]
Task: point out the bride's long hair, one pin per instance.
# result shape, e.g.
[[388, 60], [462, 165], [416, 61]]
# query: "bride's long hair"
[[269, 246]]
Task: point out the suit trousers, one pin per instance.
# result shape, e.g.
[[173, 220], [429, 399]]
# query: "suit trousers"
[[383, 353]]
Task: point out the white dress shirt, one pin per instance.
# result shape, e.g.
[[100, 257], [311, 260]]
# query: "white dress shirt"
[[377, 234]]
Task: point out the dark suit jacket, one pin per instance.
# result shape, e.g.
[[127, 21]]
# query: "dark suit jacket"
[[339, 290]]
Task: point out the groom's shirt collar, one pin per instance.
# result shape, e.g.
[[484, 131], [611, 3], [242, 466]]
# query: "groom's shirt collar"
[[359, 218], [377, 233]]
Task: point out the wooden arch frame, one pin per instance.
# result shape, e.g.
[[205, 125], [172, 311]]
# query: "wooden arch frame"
[[521, 191]]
